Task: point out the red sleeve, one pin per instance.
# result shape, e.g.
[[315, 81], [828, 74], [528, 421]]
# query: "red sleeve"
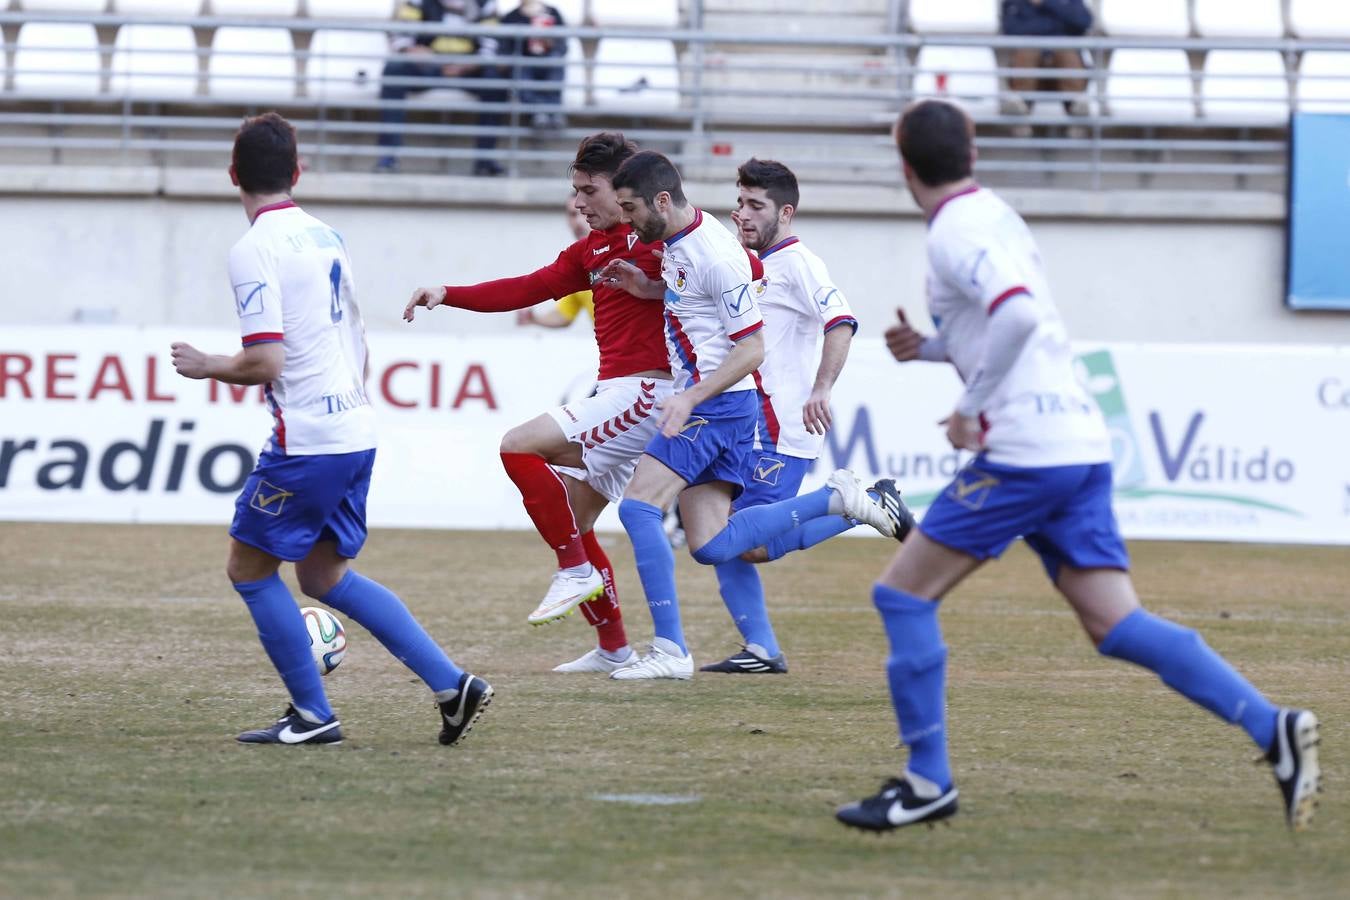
[[756, 267], [558, 279]]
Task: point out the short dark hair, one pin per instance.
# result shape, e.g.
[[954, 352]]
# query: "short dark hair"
[[648, 173], [935, 138], [265, 157], [603, 153], [775, 178]]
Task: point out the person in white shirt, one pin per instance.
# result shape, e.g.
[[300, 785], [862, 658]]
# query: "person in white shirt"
[[707, 425], [1042, 471], [801, 303], [305, 501]]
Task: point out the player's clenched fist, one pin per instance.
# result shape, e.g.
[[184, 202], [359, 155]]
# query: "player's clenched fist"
[[902, 340], [430, 297], [188, 361]]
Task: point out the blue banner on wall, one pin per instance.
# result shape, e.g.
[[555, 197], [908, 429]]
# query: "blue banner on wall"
[[1319, 213]]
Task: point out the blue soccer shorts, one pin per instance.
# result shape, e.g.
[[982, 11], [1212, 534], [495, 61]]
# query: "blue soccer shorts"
[[714, 443], [290, 503], [1063, 512], [770, 477]]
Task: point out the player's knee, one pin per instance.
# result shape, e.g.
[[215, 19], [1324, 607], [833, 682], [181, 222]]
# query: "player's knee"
[[632, 513], [517, 440], [757, 555]]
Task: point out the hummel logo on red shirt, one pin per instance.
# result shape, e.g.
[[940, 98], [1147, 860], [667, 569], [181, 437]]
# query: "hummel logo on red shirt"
[[604, 249]]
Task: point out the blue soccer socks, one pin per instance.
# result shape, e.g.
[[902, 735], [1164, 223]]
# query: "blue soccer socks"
[[807, 535], [282, 631], [755, 526], [656, 568], [917, 672], [382, 613], [743, 593], [1188, 665]]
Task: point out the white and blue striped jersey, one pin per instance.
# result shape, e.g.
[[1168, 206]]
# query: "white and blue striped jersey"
[[292, 283], [980, 256], [710, 302], [799, 302]]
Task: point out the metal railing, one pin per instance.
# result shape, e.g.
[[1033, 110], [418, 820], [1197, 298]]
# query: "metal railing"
[[823, 103]]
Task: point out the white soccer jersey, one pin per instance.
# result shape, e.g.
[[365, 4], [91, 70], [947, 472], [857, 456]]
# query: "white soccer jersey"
[[293, 283], [799, 302], [980, 255], [710, 302]]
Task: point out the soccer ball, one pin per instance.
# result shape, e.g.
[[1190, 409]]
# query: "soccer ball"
[[327, 639]]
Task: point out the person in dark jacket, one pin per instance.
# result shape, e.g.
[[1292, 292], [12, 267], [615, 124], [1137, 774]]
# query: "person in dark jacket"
[[413, 62], [541, 78], [1046, 18]]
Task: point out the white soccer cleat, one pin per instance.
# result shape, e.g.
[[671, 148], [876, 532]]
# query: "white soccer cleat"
[[657, 664], [595, 661], [858, 504], [568, 591]]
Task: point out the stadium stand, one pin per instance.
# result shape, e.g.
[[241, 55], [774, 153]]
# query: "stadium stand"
[[1247, 85], [1151, 85], [1144, 18], [946, 17], [794, 73], [1319, 19], [251, 64], [154, 62], [1239, 18], [345, 65], [1324, 81], [57, 59]]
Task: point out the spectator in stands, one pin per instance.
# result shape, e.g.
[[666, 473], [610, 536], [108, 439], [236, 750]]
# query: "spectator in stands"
[[1046, 18], [540, 15], [414, 63]]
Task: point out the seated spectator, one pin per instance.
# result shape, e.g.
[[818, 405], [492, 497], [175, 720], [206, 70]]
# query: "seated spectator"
[[1046, 18], [414, 63], [540, 15]]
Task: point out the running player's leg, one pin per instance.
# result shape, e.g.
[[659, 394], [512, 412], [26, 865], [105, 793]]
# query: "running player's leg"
[[529, 451], [279, 515], [653, 488], [602, 613], [326, 575], [770, 477], [758, 525], [818, 531]]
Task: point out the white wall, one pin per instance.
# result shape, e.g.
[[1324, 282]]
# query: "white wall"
[[160, 260]]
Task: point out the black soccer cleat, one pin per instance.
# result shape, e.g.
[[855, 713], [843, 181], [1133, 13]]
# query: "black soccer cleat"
[[1293, 756], [292, 728], [747, 663], [888, 496], [459, 714], [897, 805]]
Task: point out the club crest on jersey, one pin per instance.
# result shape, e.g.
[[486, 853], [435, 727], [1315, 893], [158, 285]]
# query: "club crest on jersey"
[[248, 297], [679, 279], [761, 286], [632, 239], [971, 488], [268, 498], [738, 300], [767, 470], [691, 429]]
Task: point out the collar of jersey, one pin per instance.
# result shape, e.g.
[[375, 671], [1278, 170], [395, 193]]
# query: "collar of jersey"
[[785, 242], [949, 198], [273, 207], [698, 220]]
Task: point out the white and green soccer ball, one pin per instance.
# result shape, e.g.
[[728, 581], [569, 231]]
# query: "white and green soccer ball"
[[327, 638]]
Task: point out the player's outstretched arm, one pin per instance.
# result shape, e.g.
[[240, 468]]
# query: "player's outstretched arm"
[[430, 297], [256, 364]]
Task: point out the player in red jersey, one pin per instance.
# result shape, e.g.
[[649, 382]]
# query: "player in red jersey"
[[573, 460]]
